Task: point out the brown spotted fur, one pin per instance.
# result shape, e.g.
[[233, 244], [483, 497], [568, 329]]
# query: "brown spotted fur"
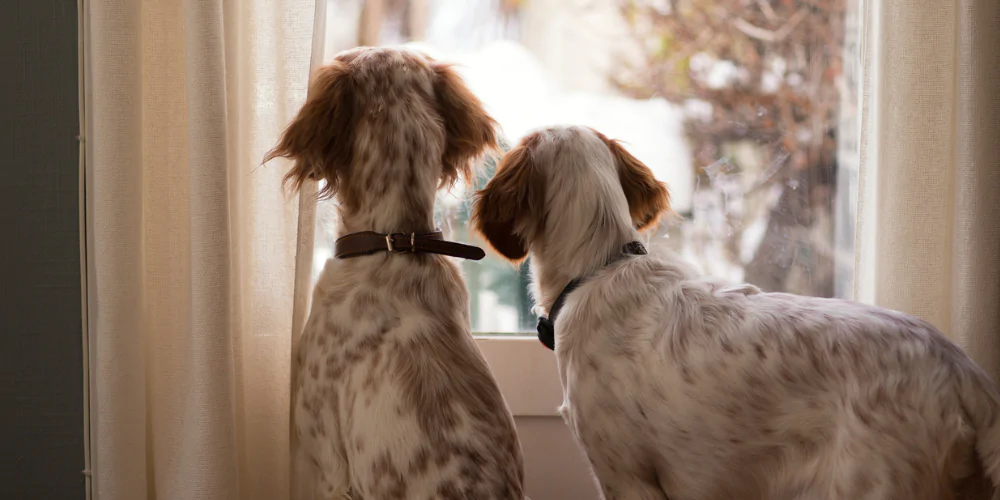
[[393, 399], [681, 387]]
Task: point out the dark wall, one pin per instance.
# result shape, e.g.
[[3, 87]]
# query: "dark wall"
[[41, 375]]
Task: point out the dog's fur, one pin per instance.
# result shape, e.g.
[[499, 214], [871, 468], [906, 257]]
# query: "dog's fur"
[[680, 387], [393, 399]]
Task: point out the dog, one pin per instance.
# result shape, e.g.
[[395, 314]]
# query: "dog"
[[393, 399], [680, 387]]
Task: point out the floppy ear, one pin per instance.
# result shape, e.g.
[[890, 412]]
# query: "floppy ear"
[[319, 138], [469, 130], [502, 211], [647, 197]]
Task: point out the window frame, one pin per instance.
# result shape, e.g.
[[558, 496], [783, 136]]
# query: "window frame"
[[526, 372]]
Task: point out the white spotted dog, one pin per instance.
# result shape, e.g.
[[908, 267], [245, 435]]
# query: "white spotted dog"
[[679, 387], [393, 399]]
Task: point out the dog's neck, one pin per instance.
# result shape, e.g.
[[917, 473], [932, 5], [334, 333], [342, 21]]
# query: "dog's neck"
[[556, 262], [391, 193], [582, 236], [398, 211]]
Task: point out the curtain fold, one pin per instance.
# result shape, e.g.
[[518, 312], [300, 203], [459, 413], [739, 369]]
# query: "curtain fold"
[[928, 237], [192, 246]]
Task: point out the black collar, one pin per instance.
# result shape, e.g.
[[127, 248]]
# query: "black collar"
[[546, 325]]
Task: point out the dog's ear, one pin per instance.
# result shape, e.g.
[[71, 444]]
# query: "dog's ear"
[[510, 207], [647, 197], [320, 137], [469, 129]]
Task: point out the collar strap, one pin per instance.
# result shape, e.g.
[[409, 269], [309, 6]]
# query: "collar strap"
[[546, 325], [369, 242]]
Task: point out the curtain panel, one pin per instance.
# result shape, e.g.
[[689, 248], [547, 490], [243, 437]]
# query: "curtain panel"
[[191, 245], [928, 234]]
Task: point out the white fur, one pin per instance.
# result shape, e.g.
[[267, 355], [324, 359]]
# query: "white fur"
[[680, 387], [393, 400]]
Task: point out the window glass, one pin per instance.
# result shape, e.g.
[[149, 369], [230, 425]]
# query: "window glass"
[[745, 108]]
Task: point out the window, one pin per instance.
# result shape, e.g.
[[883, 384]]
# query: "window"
[[745, 108]]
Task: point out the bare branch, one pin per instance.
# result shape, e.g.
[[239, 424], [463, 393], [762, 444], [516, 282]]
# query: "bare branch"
[[768, 11], [767, 35]]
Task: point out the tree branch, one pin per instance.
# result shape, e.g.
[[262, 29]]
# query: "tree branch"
[[767, 35]]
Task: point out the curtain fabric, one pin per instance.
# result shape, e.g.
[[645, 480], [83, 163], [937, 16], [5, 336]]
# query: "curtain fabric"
[[192, 247], [198, 264], [928, 237]]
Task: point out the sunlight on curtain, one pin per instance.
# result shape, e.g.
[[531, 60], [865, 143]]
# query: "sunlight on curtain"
[[191, 244], [928, 222]]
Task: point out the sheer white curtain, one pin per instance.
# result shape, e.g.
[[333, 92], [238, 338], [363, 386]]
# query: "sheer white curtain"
[[191, 245], [928, 239]]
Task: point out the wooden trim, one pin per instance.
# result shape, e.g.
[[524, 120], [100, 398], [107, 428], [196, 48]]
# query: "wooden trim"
[[418, 12], [526, 372], [372, 17]]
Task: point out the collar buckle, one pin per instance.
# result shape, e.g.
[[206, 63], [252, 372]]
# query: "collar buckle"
[[394, 248]]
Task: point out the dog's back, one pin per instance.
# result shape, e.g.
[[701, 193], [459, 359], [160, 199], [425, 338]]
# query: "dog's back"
[[395, 382], [393, 399], [681, 387], [736, 393]]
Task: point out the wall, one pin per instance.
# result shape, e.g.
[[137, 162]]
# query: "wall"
[[555, 467], [41, 375]]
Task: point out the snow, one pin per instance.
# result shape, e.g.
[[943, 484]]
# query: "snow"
[[520, 94]]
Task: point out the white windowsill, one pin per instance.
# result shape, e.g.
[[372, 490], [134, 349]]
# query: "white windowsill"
[[526, 373]]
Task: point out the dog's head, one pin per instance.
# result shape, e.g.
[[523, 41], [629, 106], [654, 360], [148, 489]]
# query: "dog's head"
[[374, 115], [561, 183]]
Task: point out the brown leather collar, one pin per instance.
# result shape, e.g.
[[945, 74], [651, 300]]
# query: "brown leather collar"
[[369, 242]]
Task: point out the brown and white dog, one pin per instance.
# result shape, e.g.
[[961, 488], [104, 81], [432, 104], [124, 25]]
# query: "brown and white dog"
[[679, 387], [393, 400]]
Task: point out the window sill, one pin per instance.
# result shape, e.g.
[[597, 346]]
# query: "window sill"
[[526, 373]]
